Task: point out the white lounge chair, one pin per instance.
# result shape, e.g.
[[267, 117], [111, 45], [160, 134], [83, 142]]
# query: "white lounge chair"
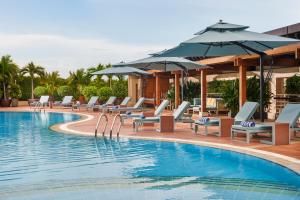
[[123, 104], [42, 103], [290, 114], [157, 112], [109, 102], [245, 113], [66, 102], [136, 107], [91, 104], [178, 114]]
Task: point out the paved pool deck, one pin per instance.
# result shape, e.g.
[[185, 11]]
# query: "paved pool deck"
[[286, 155]]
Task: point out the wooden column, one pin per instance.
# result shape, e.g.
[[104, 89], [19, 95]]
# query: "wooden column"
[[203, 90], [242, 84], [177, 90], [157, 89]]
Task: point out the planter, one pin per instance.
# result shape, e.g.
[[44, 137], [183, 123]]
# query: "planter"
[[14, 103], [5, 102]]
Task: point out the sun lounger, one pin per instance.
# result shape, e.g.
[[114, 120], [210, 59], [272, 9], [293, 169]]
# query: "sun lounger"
[[66, 102], [289, 115], [123, 104], [178, 115], [109, 102], [245, 113], [91, 104], [136, 107], [157, 112], [42, 103]]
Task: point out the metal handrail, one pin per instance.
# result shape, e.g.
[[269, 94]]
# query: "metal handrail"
[[101, 115], [113, 124]]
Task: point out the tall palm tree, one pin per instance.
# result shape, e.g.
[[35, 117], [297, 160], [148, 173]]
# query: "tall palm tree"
[[9, 71], [31, 69]]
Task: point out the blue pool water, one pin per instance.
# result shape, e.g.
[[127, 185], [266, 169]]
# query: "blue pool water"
[[38, 163]]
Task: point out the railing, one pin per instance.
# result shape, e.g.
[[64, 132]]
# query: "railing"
[[102, 115], [113, 124]]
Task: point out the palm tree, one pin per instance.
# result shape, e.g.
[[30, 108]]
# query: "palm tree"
[[109, 76], [91, 70], [52, 81], [32, 70], [78, 79], [9, 71]]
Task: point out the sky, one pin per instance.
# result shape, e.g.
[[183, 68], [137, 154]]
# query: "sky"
[[65, 35]]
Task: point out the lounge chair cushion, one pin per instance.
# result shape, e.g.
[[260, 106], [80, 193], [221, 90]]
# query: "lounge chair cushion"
[[211, 122], [256, 128], [147, 119]]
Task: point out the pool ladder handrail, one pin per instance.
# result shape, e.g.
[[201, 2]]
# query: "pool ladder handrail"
[[101, 115], [113, 124]]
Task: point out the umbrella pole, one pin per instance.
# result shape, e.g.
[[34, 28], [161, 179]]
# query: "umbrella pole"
[[262, 88], [182, 84]]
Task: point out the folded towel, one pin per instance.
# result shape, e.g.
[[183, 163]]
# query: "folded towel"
[[143, 116], [128, 113], [247, 124], [114, 107], [204, 119]]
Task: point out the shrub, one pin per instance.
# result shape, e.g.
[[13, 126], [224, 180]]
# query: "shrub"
[[15, 91], [293, 85], [64, 91], [105, 93], [120, 89], [192, 90], [40, 90], [230, 94], [89, 91]]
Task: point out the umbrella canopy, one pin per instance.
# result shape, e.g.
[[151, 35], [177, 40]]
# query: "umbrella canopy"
[[223, 39], [166, 64], [121, 70]]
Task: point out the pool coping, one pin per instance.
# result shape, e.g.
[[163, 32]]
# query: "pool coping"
[[285, 161]]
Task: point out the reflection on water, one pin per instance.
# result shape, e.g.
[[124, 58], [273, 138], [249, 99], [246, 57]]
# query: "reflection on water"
[[37, 163]]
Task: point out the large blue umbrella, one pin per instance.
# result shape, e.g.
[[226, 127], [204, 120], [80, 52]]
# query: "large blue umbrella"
[[223, 39]]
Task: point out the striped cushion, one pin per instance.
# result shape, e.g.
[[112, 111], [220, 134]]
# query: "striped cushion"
[[247, 124], [204, 120]]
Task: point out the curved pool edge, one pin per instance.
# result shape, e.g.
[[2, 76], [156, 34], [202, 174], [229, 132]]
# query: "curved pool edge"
[[286, 161]]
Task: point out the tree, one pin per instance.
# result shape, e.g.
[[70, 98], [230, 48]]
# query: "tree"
[[78, 80], [9, 71], [52, 81], [109, 76], [31, 69]]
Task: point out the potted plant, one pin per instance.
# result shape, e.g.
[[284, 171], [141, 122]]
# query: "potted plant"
[[15, 93]]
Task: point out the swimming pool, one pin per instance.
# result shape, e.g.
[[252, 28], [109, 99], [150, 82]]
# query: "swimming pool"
[[38, 163]]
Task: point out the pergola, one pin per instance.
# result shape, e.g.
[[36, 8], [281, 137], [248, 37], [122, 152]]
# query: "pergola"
[[282, 57]]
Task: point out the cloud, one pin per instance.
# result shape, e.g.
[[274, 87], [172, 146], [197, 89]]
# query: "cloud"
[[62, 53]]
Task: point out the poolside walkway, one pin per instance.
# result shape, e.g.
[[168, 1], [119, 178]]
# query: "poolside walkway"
[[182, 133]]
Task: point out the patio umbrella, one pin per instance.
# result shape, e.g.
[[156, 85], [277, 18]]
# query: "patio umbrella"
[[124, 70], [223, 39], [167, 64]]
